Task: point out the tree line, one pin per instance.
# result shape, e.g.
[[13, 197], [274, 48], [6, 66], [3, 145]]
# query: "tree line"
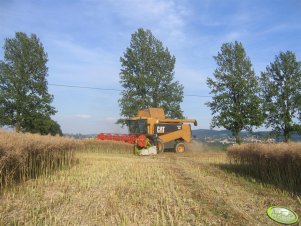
[[25, 103], [241, 99]]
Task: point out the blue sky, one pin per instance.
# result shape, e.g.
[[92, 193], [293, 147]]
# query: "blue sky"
[[84, 40]]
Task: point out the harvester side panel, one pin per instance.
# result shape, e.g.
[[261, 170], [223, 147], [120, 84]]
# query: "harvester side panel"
[[163, 128], [184, 133]]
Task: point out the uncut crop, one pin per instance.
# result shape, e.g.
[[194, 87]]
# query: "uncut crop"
[[278, 164], [25, 156], [107, 146]]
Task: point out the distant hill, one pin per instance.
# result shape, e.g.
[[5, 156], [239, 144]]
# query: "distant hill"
[[203, 133], [80, 136]]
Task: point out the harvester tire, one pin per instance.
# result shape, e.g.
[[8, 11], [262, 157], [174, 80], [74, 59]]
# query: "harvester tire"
[[179, 147], [160, 146]]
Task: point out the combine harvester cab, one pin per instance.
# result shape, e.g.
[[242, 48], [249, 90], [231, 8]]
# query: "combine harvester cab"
[[155, 133]]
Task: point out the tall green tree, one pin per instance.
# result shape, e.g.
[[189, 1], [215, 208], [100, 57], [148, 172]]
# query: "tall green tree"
[[24, 96], [147, 77], [235, 104], [42, 124], [281, 91]]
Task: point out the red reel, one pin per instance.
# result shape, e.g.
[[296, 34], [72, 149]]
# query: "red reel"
[[142, 141]]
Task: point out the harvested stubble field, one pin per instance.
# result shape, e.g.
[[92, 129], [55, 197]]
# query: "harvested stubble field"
[[110, 186]]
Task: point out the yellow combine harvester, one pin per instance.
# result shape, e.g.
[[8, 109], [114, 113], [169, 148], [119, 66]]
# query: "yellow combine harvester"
[[153, 129]]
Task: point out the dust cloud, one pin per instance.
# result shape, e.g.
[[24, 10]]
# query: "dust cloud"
[[194, 146]]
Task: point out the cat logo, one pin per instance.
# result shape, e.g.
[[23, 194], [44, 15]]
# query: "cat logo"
[[160, 129]]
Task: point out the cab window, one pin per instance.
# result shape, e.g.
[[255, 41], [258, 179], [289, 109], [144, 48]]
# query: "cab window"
[[137, 126]]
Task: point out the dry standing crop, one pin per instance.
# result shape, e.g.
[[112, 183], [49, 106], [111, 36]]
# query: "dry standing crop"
[[278, 164], [24, 156], [106, 146]]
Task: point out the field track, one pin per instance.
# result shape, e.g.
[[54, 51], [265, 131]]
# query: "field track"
[[123, 189]]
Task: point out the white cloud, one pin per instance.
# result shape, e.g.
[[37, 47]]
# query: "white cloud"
[[194, 80], [78, 53], [87, 124], [111, 119], [72, 63], [164, 17], [83, 116], [234, 36], [278, 29]]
